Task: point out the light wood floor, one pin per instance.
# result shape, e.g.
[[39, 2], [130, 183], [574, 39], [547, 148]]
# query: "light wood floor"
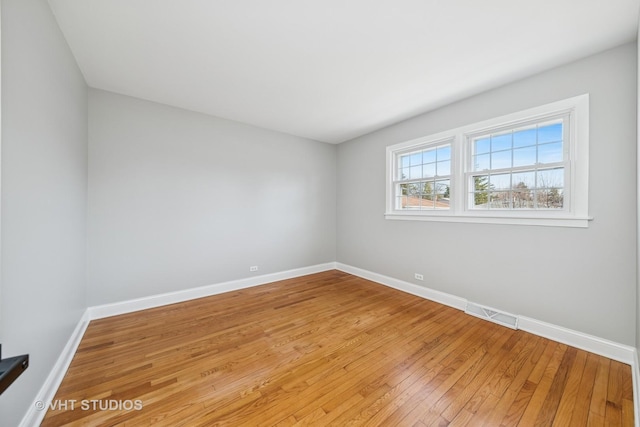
[[332, 349]]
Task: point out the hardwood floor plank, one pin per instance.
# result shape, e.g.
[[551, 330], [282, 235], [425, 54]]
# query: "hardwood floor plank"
[[454, 400], [511, 348], [442, 383], [627, 412], [522, 367], [359, 371], [516, 401], [406, 362], [615, 386], [332, 349], [570, 393], [484, 411], [552, 401], [516, 410], [598, 407], [583, 400], [353, 401], [536, 404], [445, 368]]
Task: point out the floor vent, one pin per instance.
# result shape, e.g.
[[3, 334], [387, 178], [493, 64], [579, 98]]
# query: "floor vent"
[[500, 317]]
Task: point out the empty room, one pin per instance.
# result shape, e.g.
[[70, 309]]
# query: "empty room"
[[376, 213]]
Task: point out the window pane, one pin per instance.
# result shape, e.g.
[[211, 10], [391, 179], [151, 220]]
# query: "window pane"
[[427, 202], [550, 198], [501, 159], [410, 202], [428, 170], [416, 159], [403, 173], [522, 198], [442, 187], [404, 161], [499, 200], [441, 196], [482, 146], [423, 195], [429, 156], [552, 178], [413, 189], [415, 172], [480, 200], [501, 142], [523, 180], [524, 138], [444, 168], [524, 156], [481, 183], [550, 153], [444, 153], [550, 133], [481, 162], [426, 188], [500, 182]]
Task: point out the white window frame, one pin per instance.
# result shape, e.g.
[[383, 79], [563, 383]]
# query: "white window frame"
[[576, 190]]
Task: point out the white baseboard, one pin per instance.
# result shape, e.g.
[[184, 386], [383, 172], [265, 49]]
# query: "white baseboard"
[[47, 392], [114, 309], [603, 347], [410, 288], [612, 350]]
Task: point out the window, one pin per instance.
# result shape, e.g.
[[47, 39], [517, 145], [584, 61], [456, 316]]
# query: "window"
[[529, 167], [423, 178], [519, 168]]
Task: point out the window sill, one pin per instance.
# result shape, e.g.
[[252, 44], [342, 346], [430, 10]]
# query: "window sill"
[[545, 221]]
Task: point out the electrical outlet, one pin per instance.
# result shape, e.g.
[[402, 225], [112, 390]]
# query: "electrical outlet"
[[253, 268], [419, 276]]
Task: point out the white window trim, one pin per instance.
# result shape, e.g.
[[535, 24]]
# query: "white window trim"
[[574, 215]]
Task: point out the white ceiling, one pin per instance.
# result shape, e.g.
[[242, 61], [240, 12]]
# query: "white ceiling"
[[329, 70]]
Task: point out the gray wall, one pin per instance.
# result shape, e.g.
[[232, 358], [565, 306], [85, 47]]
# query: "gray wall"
[[179, 199], [44, 196], [638, 199], [583, 279]]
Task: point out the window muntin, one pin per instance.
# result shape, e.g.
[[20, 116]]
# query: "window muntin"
[[423, 178], [519, 168]]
